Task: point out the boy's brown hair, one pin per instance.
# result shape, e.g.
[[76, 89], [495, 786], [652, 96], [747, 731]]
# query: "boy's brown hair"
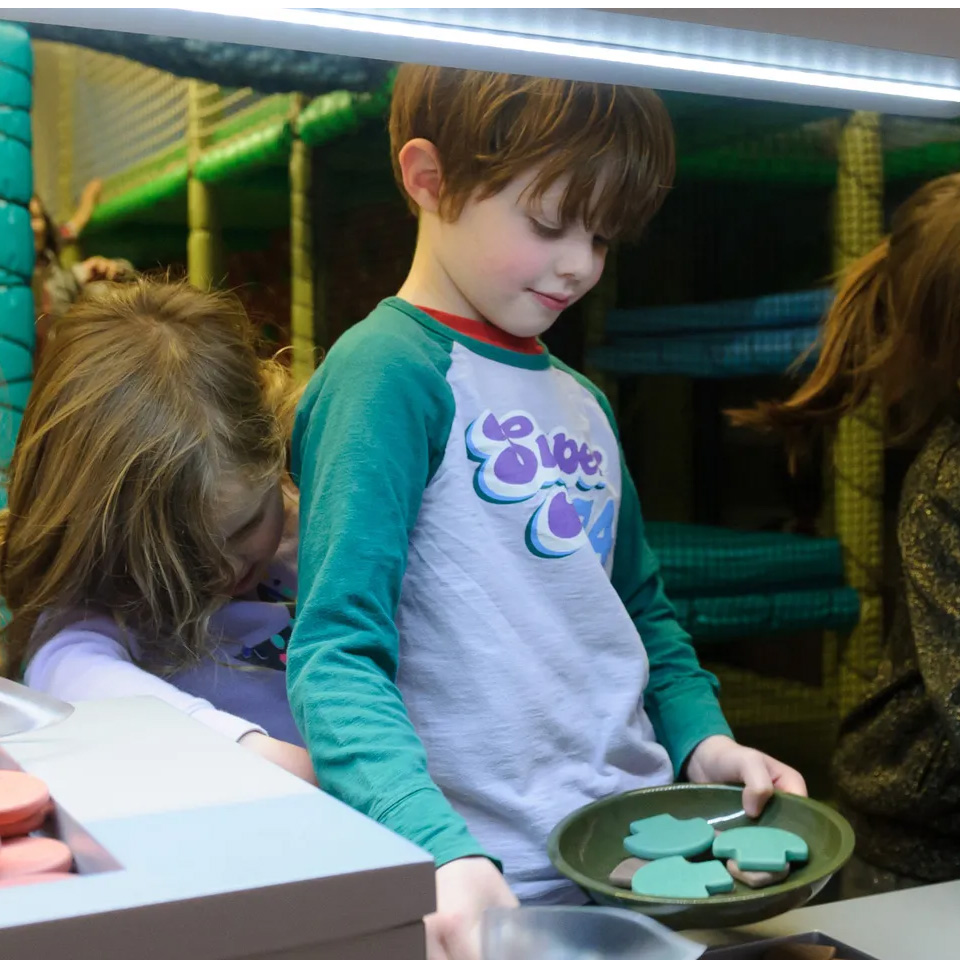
[[490, 127]]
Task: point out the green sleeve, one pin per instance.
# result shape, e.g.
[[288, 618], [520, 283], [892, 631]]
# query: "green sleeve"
[[369, 435], [681, 697]]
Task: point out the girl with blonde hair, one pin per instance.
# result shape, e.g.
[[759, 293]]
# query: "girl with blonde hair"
[[146, 508]]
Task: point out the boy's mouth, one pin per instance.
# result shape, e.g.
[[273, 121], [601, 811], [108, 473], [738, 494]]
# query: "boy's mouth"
[[551, 301]]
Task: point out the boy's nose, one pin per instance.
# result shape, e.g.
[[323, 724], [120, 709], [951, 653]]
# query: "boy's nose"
[[576, 260]]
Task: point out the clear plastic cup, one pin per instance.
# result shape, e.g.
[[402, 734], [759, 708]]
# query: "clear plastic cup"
[[579, 933]]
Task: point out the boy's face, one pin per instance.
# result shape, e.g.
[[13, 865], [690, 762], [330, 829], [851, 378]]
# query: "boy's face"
[[513, 261]]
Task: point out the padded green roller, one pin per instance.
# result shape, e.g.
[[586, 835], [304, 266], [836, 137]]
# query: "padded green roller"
[[258, 148], [762, 614], [170, 183], [328, 117], [707, 561], [17, 337]]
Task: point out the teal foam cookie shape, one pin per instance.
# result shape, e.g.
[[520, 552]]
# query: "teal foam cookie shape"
[[665, 836], [680, 879], [761, 848]]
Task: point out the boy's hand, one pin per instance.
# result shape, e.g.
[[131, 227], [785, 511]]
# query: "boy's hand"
[[465, 889], [722, 760]]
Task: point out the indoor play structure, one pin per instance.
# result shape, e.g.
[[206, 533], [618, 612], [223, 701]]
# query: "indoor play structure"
[[16, 237], [196, 173]]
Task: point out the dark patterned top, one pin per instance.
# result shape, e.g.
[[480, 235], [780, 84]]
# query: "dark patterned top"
[[898, 763]]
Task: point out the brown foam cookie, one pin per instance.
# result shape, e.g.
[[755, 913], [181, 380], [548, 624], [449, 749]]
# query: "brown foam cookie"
[[622, 874], [20, 828], [801, 951], [29, 855], [34, 878], [755, 879], [21, 796]]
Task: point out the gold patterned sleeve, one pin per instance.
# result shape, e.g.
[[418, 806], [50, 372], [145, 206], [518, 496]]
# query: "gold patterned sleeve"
[[930, 546]]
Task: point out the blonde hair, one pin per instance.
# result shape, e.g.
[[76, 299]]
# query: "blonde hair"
[[149, 395], [490, 127], [894, 325]]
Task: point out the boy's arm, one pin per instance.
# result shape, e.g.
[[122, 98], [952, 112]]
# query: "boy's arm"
[[370, 434], [681, 697]]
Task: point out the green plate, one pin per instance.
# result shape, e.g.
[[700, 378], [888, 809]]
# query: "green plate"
[[589, 844]]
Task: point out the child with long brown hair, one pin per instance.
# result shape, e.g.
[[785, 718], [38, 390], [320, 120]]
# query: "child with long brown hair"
[[895, 327], [146, 506]]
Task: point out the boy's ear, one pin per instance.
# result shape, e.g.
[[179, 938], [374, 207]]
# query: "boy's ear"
[[420, 167]]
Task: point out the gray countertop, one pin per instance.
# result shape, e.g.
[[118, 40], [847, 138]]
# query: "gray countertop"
[[919, 924]]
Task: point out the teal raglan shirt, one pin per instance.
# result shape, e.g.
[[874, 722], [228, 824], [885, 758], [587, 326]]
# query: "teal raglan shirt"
[[465, 666]]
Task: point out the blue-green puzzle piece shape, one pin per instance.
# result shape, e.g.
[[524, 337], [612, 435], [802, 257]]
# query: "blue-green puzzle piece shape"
[[680, 879], [665, 836], [761, 848]]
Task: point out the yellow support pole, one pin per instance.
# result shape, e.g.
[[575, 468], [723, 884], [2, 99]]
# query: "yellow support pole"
[[66, 107], [302, 324], [858, 446], [204, 241]]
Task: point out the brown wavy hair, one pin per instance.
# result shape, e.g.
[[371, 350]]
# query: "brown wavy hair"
[[147, 398], [490, 127], [894, 325]]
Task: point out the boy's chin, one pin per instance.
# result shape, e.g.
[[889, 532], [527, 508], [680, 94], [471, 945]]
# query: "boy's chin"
[[526, 326]]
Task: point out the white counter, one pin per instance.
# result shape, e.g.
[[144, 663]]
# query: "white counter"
[[919, 924], [190, 846]]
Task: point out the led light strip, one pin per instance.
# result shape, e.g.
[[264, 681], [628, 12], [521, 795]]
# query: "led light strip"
[[580, 50]]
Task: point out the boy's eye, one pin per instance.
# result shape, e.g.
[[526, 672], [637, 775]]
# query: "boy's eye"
[[600, 241], [545, 231]]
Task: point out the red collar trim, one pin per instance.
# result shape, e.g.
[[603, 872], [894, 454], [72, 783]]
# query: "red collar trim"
[[485, 332]]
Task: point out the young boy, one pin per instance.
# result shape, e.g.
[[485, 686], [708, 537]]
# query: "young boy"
[[483, 643]]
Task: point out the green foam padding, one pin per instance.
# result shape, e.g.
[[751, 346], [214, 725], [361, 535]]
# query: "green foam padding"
[[703, 561], [16, 242], [16, 176], [709, 619], [265, 113], [258, 148], [334, 114], [730, 164], [715, 355], [17, 329], [164, 186], [795, 309], [925, 160], [328, 117], [14, 52], [15, 124], [16, 89]]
